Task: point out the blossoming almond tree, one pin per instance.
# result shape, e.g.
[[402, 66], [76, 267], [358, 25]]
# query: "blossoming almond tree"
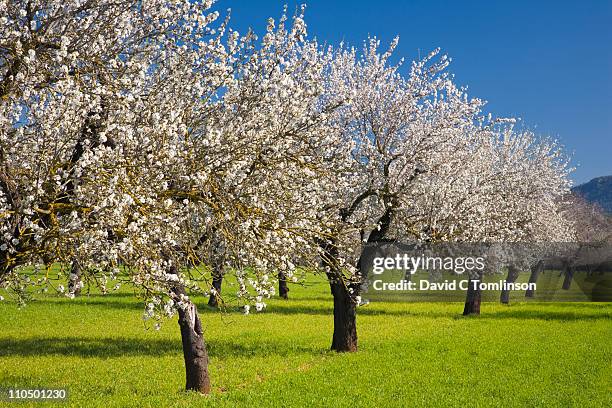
[[132, 130], [243, 167], [65, 68], [75, 80], [392, 130], [590, 244]]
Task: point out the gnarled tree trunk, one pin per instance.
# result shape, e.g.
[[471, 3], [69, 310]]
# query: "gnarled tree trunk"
[[533, 277], [513, 274], [194, 348], [283, 289], [346, 291], [345, 318], [213, 300], [473, 297]]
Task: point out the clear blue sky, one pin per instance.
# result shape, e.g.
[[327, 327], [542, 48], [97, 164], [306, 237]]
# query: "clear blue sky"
[[547, 62]]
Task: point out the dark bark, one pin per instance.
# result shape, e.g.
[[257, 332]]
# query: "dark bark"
[[345, 319], [473, 298], [569, 275], [283, 289], [7, 82], [95, 122], [513, 274], [213, 300], [9, 190], [195, 354], [74, 283], [344, 338], [384, 223], [533, 277], [345, 291], [217, 262]]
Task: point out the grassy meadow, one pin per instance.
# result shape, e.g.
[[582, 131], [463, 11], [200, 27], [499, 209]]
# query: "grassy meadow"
[[411, 354]]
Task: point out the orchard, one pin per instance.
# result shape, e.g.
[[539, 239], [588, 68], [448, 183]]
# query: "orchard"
[[149, 150]]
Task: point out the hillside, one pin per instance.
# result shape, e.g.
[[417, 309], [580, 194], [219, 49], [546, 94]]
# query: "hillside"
[[598, 190]]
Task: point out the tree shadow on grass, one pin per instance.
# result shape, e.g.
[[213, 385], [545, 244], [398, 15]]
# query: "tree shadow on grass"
[[545, 315], [540, 312], [97, 301], [569, 311], [108, 347]]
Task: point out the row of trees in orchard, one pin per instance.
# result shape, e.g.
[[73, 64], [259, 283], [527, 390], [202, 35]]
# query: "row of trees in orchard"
[[139, 140]]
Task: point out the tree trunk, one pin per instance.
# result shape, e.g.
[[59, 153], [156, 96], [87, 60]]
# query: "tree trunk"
[[533, 278], [569, 274], [217, 263], [473, 298], [194, 347], [345, 291], [213, 300], [194, 350], [74, 281], [283, 289], [345, 319], [344, 338], [513, 274]]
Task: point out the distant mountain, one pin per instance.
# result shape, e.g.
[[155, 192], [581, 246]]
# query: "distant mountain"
[[597, 191]]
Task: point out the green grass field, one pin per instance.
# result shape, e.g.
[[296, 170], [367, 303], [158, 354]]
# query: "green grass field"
[[411, 354]]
